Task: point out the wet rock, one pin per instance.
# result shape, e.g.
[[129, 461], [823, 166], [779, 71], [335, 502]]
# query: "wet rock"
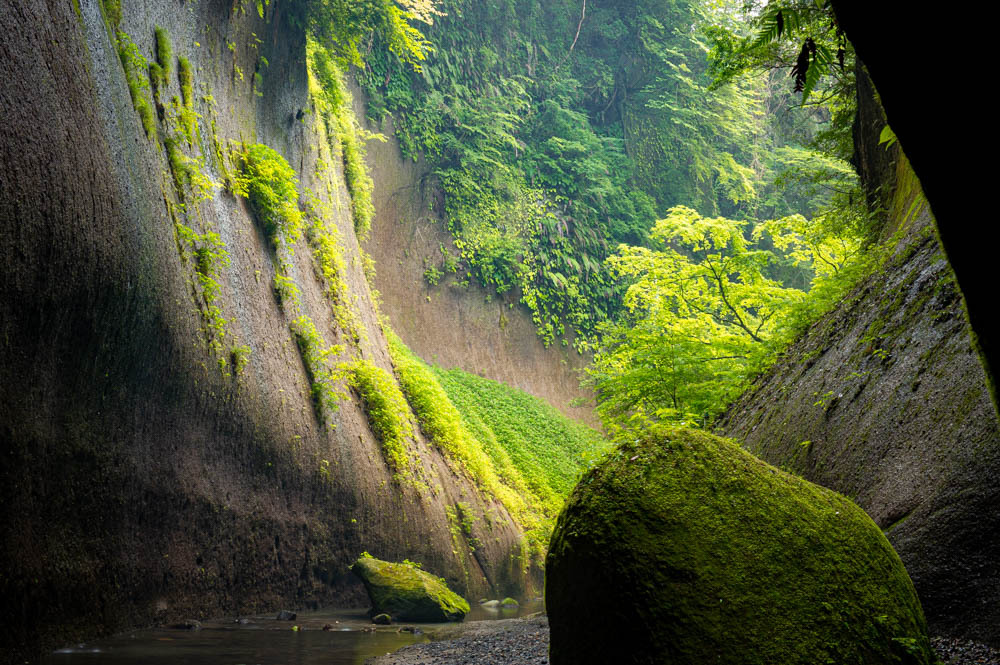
[[382, 619], [509, 603], [285, 615], [187, 624], [490, 604], [689, 550], [407, 593]]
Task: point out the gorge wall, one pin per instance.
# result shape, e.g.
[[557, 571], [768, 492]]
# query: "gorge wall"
[[456, 322], [885, 400], [161, 459]]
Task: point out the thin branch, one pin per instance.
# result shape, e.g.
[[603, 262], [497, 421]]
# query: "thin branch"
[[579, 25]]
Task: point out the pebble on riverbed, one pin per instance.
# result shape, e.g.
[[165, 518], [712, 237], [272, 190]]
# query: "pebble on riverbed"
[[954, 651]]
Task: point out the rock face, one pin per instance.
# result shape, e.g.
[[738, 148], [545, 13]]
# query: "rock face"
[[450, 324], [407, 593], [140, 484], [682, 548], [885, 400]]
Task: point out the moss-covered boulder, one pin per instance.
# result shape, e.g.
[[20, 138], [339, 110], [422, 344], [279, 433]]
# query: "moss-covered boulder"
[[683, 548], [407, 593]]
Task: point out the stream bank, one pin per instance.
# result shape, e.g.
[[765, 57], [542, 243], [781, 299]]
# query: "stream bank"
[[525, 641]]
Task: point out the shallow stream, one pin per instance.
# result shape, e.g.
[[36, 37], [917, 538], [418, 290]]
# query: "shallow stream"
[[263, 640]]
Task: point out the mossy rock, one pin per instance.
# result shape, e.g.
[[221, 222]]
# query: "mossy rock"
[[408, 594], [683, 548]]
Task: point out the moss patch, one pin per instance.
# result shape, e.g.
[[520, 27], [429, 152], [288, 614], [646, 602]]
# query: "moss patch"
[[690, 550], [407, 593]]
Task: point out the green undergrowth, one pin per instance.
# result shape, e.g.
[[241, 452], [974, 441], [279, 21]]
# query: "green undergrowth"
[[387, 411], [512, 445], [333, 108], [548, 449]]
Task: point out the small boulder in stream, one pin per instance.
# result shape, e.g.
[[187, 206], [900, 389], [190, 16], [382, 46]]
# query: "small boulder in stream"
[[407, 593], [683, 548], [286, 615]]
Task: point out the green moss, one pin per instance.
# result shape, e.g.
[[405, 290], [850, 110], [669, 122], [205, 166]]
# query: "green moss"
[[328, 259], [156, 80], [407, 593], [185, 76], [323, 380], [513, 446], [270, 184], [112, 12], [690, 550], [333, 106], [136, 70], [548, 449], [210, 257], [387, 411], [164, 52]]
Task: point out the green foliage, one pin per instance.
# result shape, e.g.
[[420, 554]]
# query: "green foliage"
[[513, 446], [343, 26], [164, 52], [522, 433], [328, 259], [387, 411], [443, 425], [549, 158], [190, 181], [801, 36], [269, 182], [136, 69], [323, 380], [185, 110], [239, 356], [703, 317], [112, 12], [210, 256], [333, 104]]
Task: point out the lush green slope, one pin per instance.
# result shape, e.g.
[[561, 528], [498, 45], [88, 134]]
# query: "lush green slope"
[[513, 445], [558, 130]]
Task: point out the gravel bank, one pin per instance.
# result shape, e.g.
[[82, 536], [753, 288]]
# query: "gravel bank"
[[526, 642], [522, 641]]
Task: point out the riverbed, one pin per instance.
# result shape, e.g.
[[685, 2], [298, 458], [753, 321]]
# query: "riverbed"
[[322, 637]]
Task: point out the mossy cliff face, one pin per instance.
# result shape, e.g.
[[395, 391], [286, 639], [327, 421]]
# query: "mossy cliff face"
[[885, 400], [408, 594], [683, 548], [456, 323], [169, 447]]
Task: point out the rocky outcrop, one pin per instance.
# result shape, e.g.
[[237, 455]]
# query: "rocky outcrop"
[[885, 400], [161, 460], [405, 593], [687, 549]]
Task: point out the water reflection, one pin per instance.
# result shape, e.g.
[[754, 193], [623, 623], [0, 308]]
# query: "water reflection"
[[348, 640]]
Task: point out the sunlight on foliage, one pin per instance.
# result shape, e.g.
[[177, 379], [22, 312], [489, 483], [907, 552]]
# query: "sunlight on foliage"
[[703, 317]]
